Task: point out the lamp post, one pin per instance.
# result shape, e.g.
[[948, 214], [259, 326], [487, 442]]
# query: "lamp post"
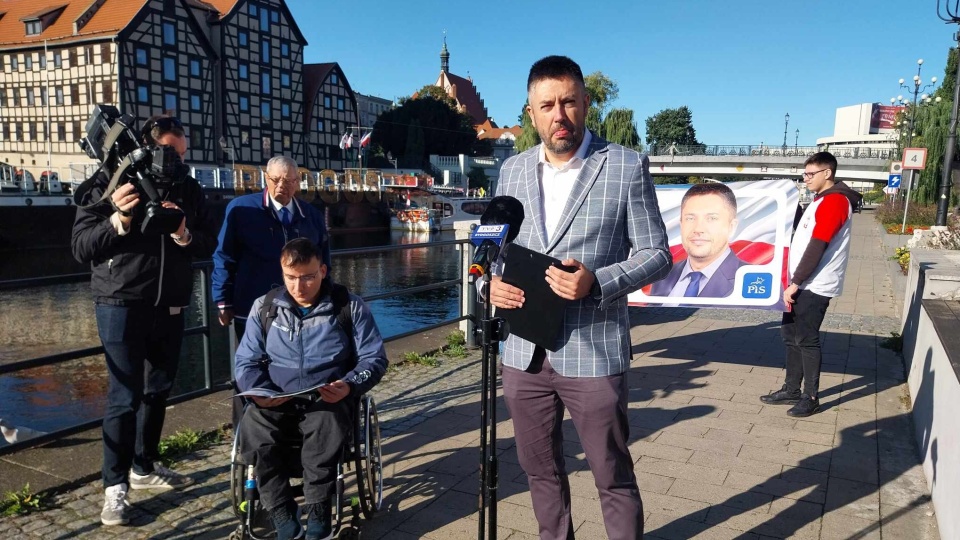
[[233, 158], [943, 201], [786, 122], [795, 141], [911, 124]]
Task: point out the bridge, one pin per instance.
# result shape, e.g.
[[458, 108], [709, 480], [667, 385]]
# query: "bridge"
[[858, 163]]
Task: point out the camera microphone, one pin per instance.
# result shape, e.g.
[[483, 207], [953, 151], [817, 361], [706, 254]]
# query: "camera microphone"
[[499, 224]]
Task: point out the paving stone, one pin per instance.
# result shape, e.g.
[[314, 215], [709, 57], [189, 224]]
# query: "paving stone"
[[673, 469], [853, 499]]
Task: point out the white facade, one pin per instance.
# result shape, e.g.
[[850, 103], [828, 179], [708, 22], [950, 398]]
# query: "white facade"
[[456, 168]]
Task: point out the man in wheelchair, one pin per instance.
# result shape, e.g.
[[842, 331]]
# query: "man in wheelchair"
[[308, 353]]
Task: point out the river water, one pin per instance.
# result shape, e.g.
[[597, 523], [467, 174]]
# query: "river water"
[[38, 321]]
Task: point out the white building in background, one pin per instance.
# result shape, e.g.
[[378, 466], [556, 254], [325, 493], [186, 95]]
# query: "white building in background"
[[370, 108], [864, 127], [455, 169]]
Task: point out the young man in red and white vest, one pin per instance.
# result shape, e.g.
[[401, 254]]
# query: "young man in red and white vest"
[[818, 261]]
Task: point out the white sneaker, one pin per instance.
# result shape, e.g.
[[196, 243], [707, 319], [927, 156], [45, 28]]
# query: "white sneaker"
[[115, 506], [160, 478]]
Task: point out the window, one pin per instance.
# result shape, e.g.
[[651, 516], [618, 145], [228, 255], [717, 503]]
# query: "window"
[[285, 110], [43, 95], [340, 103], [326, 102], [30, 97], [74, 94], [284, 49], [142, 57], [194, 68], [285, 80], [286, 142], [169, 69], [244, 137], [57, 59], [334, 128], [274, 17], [61, 132], [33, 131], [169, 33], [107, 92], [265, 51], [16, 97], [77, 131], [194, 102], [265, 110], [19, 127], [6, 132], [244, 103], [265, 83], [170, 102], [105, 53], [196, 138], [34, 28], [43, 61], [3, 98], [242, 37], [88, 55], [143, 94], [59, 100], [28, 62], [253, 9], [320, 125], [333, 78], [14, 65], [244, 70], [264, 20]]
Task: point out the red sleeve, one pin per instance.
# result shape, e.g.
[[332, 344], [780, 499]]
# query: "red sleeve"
[[832, 212]]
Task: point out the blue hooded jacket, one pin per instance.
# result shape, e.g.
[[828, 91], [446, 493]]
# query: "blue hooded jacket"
[[304, 351]]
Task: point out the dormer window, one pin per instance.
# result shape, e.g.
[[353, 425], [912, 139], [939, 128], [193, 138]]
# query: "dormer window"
[[35, 23]]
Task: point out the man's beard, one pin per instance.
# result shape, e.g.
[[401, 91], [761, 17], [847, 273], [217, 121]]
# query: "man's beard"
[[563, 146]]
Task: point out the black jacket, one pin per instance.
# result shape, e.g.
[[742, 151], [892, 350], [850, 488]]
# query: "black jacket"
[[134, 269]]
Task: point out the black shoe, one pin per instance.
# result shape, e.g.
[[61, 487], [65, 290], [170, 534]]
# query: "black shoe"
[[781, 397], [319, 522], [286, 521], [805, 407]]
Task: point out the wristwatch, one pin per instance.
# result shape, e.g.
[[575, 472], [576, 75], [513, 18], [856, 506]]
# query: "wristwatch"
[[179, 238]]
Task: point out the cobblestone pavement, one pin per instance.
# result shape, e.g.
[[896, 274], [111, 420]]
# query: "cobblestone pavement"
[[711, 460]]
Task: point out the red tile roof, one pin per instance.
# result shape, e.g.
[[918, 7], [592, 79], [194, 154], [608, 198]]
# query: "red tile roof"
[[488, 130], [466, 94], [111, 17]]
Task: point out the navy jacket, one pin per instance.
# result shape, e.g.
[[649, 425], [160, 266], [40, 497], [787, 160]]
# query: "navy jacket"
[[719, 286], [309, 350], [246, 264]]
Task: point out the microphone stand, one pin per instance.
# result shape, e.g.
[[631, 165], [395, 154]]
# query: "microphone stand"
[[491, 333]]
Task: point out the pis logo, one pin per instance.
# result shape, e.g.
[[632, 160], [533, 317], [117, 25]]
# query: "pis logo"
[[757, 285]]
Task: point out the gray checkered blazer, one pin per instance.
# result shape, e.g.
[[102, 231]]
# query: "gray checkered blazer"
[[611, 223]]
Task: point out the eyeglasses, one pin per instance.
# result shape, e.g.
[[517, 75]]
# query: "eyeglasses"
[[164, 124], [305, 279], [809, 175], [287, 181]]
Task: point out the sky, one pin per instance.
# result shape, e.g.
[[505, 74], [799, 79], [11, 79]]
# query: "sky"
[[739, 65]]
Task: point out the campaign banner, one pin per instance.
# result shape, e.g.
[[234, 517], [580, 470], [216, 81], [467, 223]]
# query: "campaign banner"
[[729, 243], [884, 117]]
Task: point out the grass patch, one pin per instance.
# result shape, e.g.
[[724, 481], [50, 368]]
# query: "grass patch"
[[427, 360], [455, 351], [902, 256], [21, 502], [186, 441], [456, 338], [894, 342]]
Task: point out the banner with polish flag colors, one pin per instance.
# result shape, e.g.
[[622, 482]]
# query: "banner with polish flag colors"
[[344, 142], [365, 140]]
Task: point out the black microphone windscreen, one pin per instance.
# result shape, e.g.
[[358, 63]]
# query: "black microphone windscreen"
[[504, 210]]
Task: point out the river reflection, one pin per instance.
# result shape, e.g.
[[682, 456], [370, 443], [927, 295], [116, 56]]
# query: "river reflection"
[[46, 320]]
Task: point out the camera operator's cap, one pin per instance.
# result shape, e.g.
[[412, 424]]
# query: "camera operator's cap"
[[165, 123]]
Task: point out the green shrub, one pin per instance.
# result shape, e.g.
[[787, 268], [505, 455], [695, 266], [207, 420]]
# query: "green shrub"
[[874, 197], [428, 360], [455, 351], [186, 441], [21, 502], [456, 338], [918, 215]]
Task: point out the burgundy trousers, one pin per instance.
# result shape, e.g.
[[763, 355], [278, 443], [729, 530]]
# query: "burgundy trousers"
[[536, 399]]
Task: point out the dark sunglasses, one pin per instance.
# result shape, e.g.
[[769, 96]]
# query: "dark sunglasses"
[[165, 123]]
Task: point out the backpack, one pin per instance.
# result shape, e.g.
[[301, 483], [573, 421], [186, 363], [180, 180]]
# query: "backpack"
[[341, 307]]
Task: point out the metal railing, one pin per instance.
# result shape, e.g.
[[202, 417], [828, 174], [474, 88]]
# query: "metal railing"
[[852, 152], [466, 313]]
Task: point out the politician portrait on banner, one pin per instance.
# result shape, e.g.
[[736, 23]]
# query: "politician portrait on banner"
[[729, 244]]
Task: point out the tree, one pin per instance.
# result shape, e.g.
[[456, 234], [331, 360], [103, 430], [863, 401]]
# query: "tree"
[[478, 179], [671, 126], [436, 93], [619, 127], [440, 130], [528, 137], [602, 91]]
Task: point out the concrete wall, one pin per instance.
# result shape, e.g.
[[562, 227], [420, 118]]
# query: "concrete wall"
[[933, 384]]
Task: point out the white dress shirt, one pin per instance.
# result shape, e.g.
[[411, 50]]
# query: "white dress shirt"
[[557, 182]]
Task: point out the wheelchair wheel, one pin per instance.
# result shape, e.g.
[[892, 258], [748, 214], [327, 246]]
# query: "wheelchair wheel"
[[368, 457]]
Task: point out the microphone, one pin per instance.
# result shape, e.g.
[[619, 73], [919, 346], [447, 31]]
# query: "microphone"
[[499, 224]]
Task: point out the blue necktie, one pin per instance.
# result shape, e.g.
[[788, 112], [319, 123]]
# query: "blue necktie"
[[285, 216], [693, 288]]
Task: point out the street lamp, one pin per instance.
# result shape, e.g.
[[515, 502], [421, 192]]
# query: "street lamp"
[[233, 157], [796, 140], [391, 159], [949, 16], [786, 121], [911, 123]]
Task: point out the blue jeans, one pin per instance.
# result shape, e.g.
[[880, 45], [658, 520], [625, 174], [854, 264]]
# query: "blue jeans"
[[142, 348]]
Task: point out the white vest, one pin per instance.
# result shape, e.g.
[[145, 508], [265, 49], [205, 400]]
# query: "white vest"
[[827, 279]]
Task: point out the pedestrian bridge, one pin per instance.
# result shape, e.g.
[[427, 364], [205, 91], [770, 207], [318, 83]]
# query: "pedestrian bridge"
[[854, 162]]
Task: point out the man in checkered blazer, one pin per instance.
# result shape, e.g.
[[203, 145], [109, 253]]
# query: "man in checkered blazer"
[[591, 204]]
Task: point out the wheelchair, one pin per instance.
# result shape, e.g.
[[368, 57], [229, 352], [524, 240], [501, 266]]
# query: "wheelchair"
[[360, 453]]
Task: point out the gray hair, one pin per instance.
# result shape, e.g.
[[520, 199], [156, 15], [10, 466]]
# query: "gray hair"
[[282, 162]]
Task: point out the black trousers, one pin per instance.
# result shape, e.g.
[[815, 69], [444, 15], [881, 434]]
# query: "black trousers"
[[801, 336], [320, 427], [237, 403]]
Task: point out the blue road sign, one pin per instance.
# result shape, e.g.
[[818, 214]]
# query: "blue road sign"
[[894, 180]]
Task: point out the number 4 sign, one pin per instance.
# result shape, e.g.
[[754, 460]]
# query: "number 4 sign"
[[914, 158]]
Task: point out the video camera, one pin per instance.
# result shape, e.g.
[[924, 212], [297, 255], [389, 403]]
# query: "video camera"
[[111, 140]]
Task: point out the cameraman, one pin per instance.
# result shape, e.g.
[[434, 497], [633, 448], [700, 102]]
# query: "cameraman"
[[141, 284]]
